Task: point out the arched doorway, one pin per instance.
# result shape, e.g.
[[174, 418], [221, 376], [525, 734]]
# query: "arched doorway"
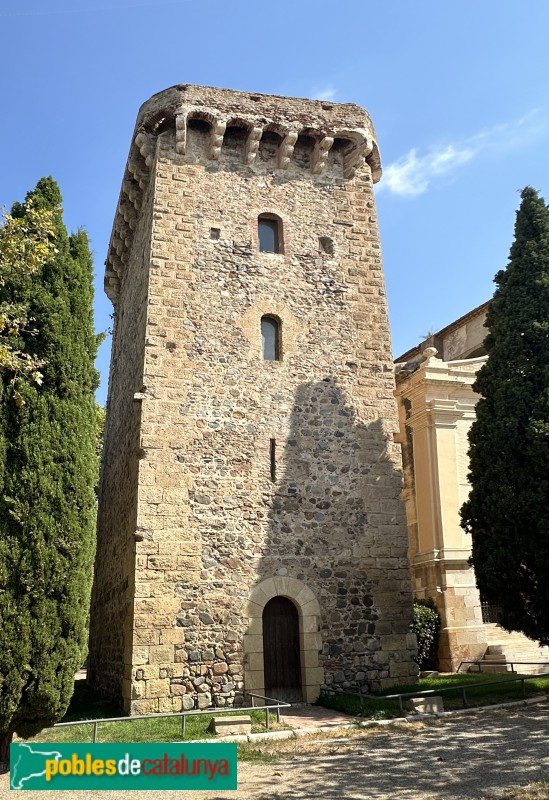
[[281, 650]]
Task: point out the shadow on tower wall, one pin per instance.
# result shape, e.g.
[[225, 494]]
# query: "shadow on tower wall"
[[336, 526]]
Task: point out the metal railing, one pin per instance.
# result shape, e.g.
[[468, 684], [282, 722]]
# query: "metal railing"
[[278, 704], [365, 698], [275, 705], [463, 688], [491, 612], [479, 661]]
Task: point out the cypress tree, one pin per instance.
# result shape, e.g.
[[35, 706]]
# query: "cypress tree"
[[48, 466], [507, 511]]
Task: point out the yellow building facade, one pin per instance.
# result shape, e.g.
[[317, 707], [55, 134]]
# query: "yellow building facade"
[[436, 405]]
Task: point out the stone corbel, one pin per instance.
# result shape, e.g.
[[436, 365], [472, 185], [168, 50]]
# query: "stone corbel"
[[146, 147], [181, 133], [123, 232], [114, 282], [112, 279], [118, 245], [286, 149], [140, 177], [109, 270], [113, 275], [354, 158], [116, 264], [132, 192], [252, 144], [218, 131], [320, 155], [128, 214]]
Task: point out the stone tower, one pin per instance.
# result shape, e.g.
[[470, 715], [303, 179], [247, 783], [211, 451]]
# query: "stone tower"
[[250, 536]]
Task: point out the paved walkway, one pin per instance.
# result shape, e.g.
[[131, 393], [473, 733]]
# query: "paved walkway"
[[314, 717], [461, 758]]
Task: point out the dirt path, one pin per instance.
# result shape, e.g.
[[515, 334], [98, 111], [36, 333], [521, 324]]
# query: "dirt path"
[[463, 758]]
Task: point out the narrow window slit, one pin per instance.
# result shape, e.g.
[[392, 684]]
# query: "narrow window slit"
[[272, 458]]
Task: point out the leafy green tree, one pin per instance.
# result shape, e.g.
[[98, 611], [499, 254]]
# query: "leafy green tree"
[[100, 415], [99, 429], [48, 466], [508, 512], [26, 243]]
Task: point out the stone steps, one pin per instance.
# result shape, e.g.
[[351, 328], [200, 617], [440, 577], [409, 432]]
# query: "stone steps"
[[512, 649]]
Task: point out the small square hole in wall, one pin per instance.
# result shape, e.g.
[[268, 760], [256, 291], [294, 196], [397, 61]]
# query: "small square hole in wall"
[[326, 245], [215, 233]]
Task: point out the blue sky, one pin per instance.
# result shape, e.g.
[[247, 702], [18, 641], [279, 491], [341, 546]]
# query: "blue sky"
[[459, 95]]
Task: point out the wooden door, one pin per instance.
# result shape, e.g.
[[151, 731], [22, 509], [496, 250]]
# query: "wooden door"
[[281, 650]]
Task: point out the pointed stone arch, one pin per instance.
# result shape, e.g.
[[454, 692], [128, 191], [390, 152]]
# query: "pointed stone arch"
[[312, 675]]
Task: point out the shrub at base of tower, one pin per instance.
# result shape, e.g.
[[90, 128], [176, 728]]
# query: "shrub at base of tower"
[[426, 626], [507, 512], [48, 468]]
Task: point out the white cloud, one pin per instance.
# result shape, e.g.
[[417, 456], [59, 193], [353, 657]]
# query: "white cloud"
[[326, 93], [413, 174]]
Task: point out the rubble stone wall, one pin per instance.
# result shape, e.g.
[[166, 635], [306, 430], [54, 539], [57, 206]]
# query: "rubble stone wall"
[[218, 534]]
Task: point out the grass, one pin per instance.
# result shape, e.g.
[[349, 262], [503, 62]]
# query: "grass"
[[369, 706], [86, 705], [490, 692]]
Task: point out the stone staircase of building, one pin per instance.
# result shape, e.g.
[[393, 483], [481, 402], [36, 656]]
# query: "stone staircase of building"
[[511, 649]]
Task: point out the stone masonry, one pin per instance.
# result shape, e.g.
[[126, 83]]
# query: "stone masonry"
[[436, 402], [229, 480]]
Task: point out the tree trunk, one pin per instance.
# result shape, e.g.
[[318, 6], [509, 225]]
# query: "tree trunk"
[[5, 741]]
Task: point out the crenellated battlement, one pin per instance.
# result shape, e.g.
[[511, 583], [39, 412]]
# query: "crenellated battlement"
[[324, 132]]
